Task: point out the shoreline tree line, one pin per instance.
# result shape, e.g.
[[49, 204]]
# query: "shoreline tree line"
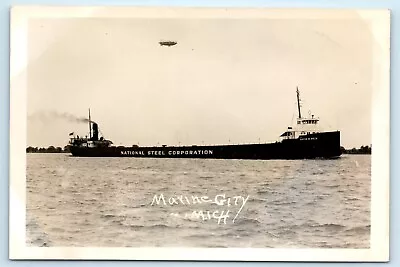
[[361, 150], [50, 149]]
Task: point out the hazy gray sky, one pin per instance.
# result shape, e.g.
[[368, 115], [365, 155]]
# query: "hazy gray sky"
[[226, 79]]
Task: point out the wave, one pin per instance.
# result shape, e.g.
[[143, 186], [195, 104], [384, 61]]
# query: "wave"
[[257, 200], [206, 177], [313, 225], [329, 225], [285, 232], [359, 229], [281, 203], [352, 199], [318, 172], [332, 186], [135, 226], [247, 222], [312, 203], [158, 226], [108, 216], [264, 190]]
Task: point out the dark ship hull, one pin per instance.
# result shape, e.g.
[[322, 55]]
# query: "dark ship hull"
[[319, 145]]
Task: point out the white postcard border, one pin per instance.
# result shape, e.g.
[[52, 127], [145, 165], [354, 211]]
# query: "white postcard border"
[[379, 250]]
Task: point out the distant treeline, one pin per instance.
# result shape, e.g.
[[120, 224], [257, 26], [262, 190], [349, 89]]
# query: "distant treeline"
[[50, 149], [361, 150]]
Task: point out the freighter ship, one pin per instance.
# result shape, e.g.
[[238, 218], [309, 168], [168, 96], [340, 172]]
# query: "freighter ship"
[[302, 141]]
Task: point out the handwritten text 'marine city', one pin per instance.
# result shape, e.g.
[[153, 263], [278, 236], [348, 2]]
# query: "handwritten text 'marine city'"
[[219, 200]]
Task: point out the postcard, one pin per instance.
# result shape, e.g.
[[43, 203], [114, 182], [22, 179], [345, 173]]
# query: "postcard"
[[207, 134]]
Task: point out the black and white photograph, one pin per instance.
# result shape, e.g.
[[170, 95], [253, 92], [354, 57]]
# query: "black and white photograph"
[[190, 133]]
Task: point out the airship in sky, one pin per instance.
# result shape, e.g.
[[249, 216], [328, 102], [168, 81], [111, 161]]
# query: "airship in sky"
[[167, 43]]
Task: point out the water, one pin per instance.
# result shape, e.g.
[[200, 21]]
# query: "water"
[[108, 202]]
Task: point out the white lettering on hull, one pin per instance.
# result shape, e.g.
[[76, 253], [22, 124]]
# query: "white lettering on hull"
[[132, 153], [164, 153]]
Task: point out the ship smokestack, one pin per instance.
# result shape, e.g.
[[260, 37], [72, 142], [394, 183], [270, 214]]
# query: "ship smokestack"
[[95, 131]]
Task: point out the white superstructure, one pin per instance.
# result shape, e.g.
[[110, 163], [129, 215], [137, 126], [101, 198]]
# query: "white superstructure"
[[304, 126]]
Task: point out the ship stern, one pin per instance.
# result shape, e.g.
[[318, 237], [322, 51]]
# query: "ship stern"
[[330, 145]]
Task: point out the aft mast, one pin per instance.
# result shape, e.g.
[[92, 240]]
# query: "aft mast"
[[298, 101], [90, 126]]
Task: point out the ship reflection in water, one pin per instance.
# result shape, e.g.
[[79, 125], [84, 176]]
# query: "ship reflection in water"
[[305, 140]]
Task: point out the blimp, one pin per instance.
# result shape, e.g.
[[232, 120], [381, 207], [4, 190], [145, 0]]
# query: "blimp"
[[167, 43]]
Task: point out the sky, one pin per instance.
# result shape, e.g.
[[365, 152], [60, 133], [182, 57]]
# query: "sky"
[[225, 81]]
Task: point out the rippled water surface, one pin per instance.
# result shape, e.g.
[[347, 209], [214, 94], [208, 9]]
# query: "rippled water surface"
[[120, 202]]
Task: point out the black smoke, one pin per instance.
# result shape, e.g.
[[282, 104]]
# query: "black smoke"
[[49, 116]]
